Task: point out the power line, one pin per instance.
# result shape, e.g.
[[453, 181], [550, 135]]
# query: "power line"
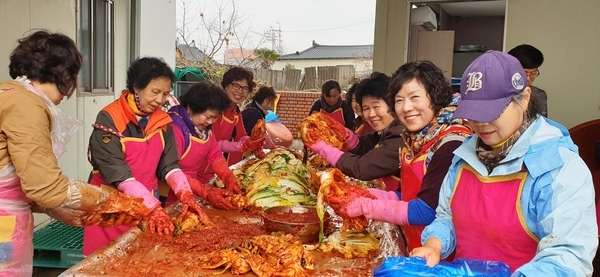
[[332, 28]]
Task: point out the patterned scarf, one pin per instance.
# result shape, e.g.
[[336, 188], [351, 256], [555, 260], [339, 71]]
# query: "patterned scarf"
[[134, 102], [329, 108], [416, 140], [490, 157]]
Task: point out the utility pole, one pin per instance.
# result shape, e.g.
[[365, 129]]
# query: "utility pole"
[[279, 47], [274, 35]]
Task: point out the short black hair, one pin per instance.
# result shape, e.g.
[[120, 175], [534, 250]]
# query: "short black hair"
[[375, 86], [329, 85], [438, 88], [48, 58], [205, 96], [264, 93], [528, 56], [238, 73], [143, 70], [351, 91]]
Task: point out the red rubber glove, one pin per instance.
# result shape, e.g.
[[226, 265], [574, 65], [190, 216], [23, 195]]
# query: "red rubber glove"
[[222, 170], [215, 196], [159, 222], [181, 187]]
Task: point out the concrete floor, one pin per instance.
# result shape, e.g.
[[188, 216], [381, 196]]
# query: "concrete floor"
[[46, 272]]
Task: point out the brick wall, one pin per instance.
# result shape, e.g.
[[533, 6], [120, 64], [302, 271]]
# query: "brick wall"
[[293, 106]]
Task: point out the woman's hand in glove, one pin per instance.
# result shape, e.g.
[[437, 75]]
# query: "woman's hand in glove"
[[83, 196], [188, 202], [253, 145], [329, 153], [215, 196], [159, 222], [222, 170]]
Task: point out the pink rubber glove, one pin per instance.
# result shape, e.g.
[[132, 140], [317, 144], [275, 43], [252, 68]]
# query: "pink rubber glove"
[[158, 220], [232, 146], [243, 145], [391, 211], [178, 182], [352, 140], [181, 187], [135, 188], [329, 153], [384, 195], [269, 144]]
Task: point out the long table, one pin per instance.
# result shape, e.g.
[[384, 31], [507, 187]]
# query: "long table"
[[138, 253]]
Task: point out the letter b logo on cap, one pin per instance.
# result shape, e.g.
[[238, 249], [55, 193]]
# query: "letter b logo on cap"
[[474, 82]]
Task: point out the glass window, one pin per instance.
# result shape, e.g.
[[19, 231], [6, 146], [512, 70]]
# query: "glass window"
[[95, 41]]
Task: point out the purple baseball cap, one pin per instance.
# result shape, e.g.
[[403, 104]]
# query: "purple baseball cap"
[[488, 85]]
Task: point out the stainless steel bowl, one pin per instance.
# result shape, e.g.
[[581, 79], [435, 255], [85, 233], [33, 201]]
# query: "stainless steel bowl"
[[307, 231]]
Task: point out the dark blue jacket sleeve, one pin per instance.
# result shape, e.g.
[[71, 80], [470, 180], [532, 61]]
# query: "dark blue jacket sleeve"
[[419, 213]]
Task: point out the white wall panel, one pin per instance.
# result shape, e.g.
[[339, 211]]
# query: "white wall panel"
[[157, 30]]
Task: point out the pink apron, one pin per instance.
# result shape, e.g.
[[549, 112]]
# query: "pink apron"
[[391, 182], [195, 153], [142, 155], [412, 173], [487, 217], [225, 129], [16, 226]]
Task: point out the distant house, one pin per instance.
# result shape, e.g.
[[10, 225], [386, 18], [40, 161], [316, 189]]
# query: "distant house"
[[237, 56], [187, 55], [361, 56]]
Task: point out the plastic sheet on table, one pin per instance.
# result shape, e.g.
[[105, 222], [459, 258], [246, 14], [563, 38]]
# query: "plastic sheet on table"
[[416, 266]]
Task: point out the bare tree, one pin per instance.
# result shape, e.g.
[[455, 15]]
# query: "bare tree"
[[214, 30]]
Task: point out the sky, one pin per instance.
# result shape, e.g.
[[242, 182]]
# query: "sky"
[[327, 22]]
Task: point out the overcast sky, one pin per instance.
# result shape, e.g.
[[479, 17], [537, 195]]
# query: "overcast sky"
[[328, 22]]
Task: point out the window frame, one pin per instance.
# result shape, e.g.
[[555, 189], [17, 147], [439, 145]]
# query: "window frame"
[[95, 66]]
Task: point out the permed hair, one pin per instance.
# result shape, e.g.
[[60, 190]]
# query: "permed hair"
[[205, 96], [48, 58], [238, 73], [375, 86], [143, 70], [430, 76], [529, 56], [328, 86], [264, 93]]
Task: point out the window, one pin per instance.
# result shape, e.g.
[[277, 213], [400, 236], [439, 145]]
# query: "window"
[[95, 41]]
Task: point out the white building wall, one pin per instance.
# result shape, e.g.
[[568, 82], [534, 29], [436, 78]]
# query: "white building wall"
[[157, 29], [157, 38]]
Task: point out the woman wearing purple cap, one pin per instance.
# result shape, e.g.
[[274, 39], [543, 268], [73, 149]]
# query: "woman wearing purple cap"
[[517, 191]]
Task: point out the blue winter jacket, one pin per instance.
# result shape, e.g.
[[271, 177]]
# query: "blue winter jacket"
[[557, 200]]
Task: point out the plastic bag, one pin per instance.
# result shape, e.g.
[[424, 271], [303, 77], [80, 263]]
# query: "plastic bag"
[[416, 266], [63, 126]]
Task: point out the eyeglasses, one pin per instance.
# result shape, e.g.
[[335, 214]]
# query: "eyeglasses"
[[237, 86], [532, 73]]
